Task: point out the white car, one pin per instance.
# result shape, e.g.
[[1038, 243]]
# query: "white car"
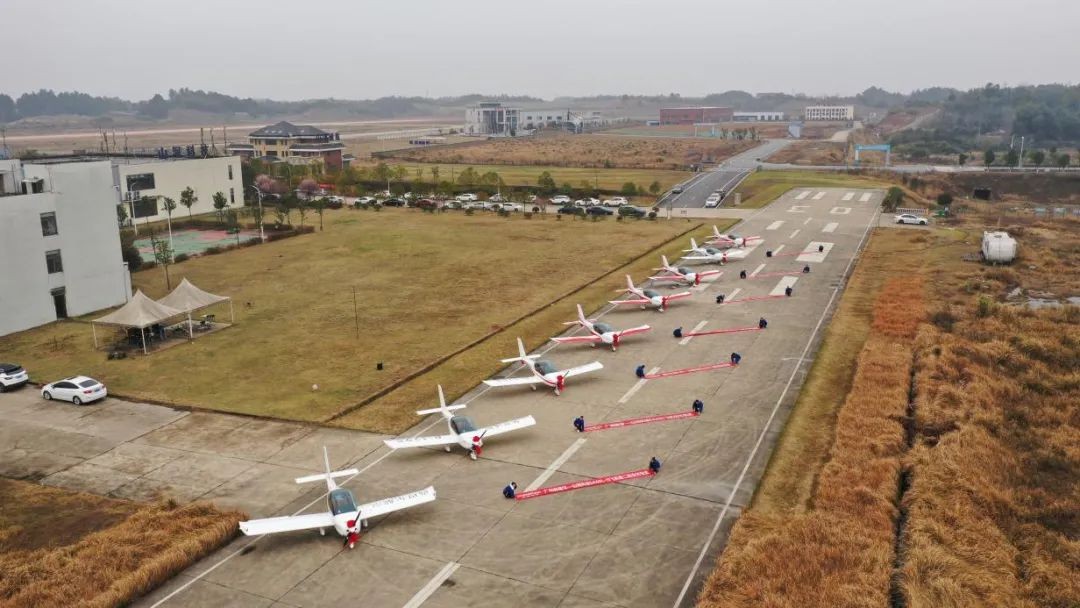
[[512, 207], [713, 200], [617, 201], [364, 200], [468, 196], [560, 199], [12, 376], [496, 198], [76, 389], [909, 218], [586, 202]]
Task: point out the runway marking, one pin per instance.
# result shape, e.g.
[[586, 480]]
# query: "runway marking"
[[433, 585], [775, 225], [830, 227], [757, 270], [849, 196], [730, 330], [794, 234], [618, 424], [688, 370], [734, 292], [783, 285], [558, 462], [697, 328], [802, 195], [778, 250], [798, 209], [765, 429], [808, 220], [840, 210], [811, 253], [637, 387], [820, 195], [785, 273], [865, 198], [585, 483]]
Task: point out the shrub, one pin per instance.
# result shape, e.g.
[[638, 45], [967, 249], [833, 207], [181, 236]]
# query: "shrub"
[[212, 250], [148, 265], [985, 306], [180, 257], [652, 215], [528, 215], [469, 211]]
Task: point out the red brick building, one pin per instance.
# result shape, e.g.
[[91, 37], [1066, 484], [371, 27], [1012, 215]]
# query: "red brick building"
[[689, 116]]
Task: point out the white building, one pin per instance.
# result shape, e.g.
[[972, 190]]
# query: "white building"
[[830, 113], [59, 242], [758, 116], [144, 177], [491, 118]]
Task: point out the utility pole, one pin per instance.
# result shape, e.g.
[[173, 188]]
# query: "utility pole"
[[262, 235], [1020, 159]]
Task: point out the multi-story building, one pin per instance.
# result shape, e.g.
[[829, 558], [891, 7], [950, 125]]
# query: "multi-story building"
[[491, 118], [829, 113], [303, 144], [143, 182], [758, 116], [689, 116], [59, 242]]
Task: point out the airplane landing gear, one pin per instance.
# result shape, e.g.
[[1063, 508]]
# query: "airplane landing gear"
[[472, 454], [447, 448], [533, 387], [322, 531], [558, 392]]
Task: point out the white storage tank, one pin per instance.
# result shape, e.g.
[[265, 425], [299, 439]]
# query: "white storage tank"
[[998, 247]]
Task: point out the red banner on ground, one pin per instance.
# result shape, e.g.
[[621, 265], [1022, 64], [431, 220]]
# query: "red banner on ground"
[[585, 483], [733, 330], [618, 424], [765, 275], [689, 370], [753, 298]]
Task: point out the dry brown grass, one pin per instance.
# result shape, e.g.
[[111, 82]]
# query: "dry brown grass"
[[602, 151], [123, 552]]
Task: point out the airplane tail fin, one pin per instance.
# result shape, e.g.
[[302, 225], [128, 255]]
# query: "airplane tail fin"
[[329, 475], [443, 408], [580, 314], [693, 244], [522, 354], [663, 258], [716, 232]]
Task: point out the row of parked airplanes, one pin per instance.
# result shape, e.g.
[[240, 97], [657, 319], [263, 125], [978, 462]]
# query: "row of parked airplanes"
[[348, 518]]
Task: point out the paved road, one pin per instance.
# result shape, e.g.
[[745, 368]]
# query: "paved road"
[[647, 542], [724, 176]]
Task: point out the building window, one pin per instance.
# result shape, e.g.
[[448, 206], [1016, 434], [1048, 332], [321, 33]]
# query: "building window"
[[232, 194], [230, 171], [145, 207], [53, 262], [140, 181], [48, 224]]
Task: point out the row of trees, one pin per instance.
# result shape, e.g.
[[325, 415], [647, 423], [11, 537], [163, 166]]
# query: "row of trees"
[[1011, 158]]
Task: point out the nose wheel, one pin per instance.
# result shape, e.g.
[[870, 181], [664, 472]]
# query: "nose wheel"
[[472, 454]]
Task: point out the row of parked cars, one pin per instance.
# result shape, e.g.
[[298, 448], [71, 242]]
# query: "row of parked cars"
[[79, 390]]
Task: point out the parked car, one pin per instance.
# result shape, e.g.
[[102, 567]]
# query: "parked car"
[[12, 376], [571, 210], [76, 389], [676, 190], [560, 199], [598, 210], [631, 211], [496, 198], [511, 207], [587, 202], [364, 200], [713, 200], [393, 202], [617, 201], [426, 203], [910, 218], [468, 196], [335, 202]]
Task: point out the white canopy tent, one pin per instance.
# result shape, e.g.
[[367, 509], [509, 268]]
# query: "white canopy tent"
[[189, 298], [140, 312]]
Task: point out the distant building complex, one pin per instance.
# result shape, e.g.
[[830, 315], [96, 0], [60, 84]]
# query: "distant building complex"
[[689, 116], [829, 113], [758, 116], [492, 118], [296, 144]]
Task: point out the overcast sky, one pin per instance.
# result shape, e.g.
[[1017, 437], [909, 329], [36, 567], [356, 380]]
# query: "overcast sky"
[[371, 48]]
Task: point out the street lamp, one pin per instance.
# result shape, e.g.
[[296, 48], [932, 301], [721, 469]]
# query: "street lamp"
[[262, 235]]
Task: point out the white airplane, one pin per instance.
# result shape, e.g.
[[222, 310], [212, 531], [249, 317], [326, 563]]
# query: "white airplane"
[[711, 254], [648, 297], [344, 515], [598, 332], [543, 372], [730, 240], [463, 430], [682, 274]]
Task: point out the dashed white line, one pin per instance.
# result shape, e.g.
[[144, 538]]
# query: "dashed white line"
[[865, 198], [637, 387], [794, 234], [778, 249], [734, 292], [554, 466], [782, 285], [697, 328], [802, 195], [808, 220], [775, 225], [820, 195], [433, 585], [849, 196], [757, 270], [831, 226]]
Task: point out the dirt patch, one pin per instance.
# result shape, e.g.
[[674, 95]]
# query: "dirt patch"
[[811, 153]]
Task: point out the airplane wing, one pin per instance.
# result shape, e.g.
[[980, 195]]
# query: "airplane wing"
[[636, 301], [701, 258], [272, 525], [397, 503], [634, 330], [668, 277], [514, 381], [420, 442], [710, 273], [676, 296], [583, 369], [573, 339], [506, 427]]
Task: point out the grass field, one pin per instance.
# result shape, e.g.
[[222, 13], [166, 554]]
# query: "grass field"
[[426, 285], [762, 187], [599, 150], [604, 179], [930, 468], [63, 548], [811, 153]]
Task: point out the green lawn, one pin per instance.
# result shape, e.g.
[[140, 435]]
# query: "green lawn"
[[426, 285], [763, 187], [526, 175]]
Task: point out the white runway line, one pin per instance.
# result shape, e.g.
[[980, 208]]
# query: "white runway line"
[[794, 234], [637, 387], [808, 220], [865, 198], [757, 270], [775, 225], [765, 429], [697, 328], [849, 196], [734, 292], [784, 283], [778, 249], [810, 254], [802, 195], [432, 586], [830, 227], [820, 195], [840, 210], [554, 466], [797, 208]]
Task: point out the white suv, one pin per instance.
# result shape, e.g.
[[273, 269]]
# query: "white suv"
[[560, 199], [12, 376], [466, 197]]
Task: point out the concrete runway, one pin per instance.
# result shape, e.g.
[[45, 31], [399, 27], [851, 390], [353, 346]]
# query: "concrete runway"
[[646, 542], [724, 176]]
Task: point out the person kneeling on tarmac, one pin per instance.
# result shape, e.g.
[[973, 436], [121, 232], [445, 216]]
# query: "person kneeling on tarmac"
[[762, 323], [806, 269], [788, 291], [579, 424], [742, 274], [699, 406], [509, 491], [735, 358], [654, 465]]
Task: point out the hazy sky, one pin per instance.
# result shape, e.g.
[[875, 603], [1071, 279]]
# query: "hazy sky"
[[364, 48]]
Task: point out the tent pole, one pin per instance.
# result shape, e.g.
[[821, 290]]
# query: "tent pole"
[[142, 332], [94, 329], [190, 332], [232, 317]]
